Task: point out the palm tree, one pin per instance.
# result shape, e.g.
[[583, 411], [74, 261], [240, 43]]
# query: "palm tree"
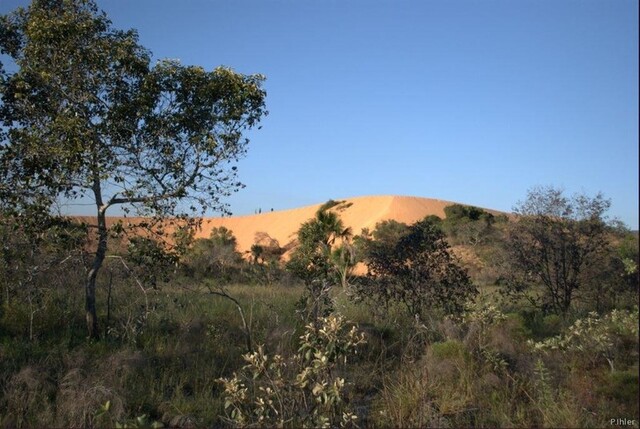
[[256, 251], [313, 261]]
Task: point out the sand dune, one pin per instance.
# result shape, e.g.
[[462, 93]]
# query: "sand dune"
[[356, 213]]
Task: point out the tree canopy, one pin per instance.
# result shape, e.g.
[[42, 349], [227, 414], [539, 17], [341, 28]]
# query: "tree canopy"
[[414, 266], [552, 243], [86, 115]]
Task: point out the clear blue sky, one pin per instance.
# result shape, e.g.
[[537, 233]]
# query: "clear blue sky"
[[471, 101]]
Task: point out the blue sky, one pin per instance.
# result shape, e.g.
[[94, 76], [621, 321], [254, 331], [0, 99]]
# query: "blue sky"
[[470, 101]]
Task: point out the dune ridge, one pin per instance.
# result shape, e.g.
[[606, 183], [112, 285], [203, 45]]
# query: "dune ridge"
[[356, 213]]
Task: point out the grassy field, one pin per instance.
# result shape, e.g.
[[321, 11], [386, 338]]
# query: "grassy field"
[[164, 353]]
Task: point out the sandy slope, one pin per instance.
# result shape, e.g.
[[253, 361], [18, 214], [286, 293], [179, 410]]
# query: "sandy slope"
[[357, 213]]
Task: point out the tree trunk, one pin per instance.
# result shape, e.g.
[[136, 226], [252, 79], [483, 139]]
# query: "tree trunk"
[[90, 289], [90, 308], [101, 251]]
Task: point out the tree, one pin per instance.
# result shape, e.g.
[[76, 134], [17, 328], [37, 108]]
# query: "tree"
[[150, 261], [266, 254], [389, 232], [468, 224], [417, 270], [552, 242], [223, 236], [312, 260], [208, 257], [85, 115], [456, 212]]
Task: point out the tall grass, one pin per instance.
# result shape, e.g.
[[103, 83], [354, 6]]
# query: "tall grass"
[[162, 353]]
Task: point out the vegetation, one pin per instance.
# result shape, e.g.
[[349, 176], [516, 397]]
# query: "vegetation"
[[86, 115], [552, 243], [303, 391], [414, 266], [475, 320], [221, 347], [313, 263]]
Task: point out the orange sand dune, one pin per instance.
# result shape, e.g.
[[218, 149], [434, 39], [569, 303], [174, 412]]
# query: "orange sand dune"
[[356, 213]]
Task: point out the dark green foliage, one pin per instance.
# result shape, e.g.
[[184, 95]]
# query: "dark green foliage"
[[312, 261], [458, 212], [621, 386], [628, 254], [450, 349], [222, 236], [266, 250], [150, 260], [37, 271], [416, 269], [433, 219], [212, 258], [387, 234], [266, 267], [390, 232], [540, 325], [468, 224], [329, 205]]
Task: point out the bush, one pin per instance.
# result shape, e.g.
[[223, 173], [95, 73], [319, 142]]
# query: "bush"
[[450, 349], [418, 271], [595, 338], [303, 390]]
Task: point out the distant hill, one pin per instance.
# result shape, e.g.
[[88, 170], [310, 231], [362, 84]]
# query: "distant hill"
[[356, 213], [283, 225]]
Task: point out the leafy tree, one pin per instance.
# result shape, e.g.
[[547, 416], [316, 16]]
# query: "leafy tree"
[[552, 242], [256, 252], [150, 261], [343, 259], [210, 257], [85, 115], [223, 236], [418, 270], [468, 224], [266, 254], [266, 249], [389, 232], [612, 282], [457, 212]]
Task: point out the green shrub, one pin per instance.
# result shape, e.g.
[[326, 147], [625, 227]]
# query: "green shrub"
[[517, 326], [450, 349], [329, 204]]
